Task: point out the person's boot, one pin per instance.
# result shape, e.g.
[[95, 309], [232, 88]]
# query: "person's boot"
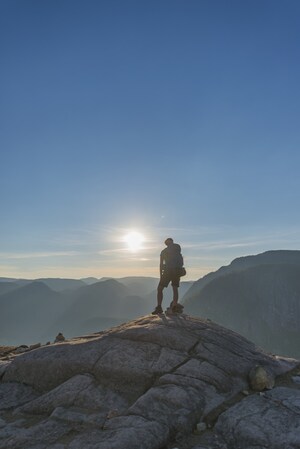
[[174, 309], [157, 311], [177, 308]]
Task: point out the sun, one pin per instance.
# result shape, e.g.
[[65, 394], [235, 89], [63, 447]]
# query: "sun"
[[134, 240]]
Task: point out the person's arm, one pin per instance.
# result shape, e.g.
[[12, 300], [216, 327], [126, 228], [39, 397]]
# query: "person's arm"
[[161, 266]]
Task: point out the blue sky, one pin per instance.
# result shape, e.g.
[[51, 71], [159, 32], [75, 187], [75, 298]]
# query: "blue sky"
[[172, 118]]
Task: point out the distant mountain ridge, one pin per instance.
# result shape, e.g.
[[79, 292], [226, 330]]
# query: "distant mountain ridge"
[[257, 296], [36, 310], [241, 263], [6, 286], [57, 284], [27, 310]]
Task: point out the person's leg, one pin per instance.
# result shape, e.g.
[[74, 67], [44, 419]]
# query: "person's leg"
[[158, 308], [163, 283], [159, 295], [175, 295], [175, 286], [176, 307]]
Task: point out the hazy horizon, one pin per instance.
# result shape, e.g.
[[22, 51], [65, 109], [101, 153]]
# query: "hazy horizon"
[[167, 118], [151, 272]]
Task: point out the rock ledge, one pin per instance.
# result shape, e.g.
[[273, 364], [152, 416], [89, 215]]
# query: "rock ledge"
[[153, 383]]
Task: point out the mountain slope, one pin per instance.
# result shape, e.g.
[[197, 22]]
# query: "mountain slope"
[[27, 311], [36, 312], [60, 284], [139, 285], [6, 287], [261, 302], [99, 305], [241, 263]]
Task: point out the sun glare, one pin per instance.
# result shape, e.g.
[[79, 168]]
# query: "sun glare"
[[134, 240]]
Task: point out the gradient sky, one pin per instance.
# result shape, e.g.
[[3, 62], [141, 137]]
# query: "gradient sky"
[[172, 118]]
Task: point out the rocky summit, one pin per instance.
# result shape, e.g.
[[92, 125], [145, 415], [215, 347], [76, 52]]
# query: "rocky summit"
[[154, 383]]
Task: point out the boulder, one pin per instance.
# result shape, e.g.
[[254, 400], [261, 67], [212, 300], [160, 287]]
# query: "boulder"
[[35, 346], [269, 420], [260, 379]]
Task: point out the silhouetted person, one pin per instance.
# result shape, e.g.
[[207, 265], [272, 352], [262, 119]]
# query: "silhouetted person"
[[171, 263]]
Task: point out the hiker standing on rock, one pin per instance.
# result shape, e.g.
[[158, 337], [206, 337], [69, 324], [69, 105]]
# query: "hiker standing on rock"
[[170, 269]]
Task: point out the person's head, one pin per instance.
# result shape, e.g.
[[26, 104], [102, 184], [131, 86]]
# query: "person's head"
[[169, 241]]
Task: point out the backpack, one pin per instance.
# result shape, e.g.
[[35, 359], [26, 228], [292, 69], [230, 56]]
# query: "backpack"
[[175, 259]]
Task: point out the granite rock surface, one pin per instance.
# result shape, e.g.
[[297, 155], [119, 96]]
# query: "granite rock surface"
[[154, 383]]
